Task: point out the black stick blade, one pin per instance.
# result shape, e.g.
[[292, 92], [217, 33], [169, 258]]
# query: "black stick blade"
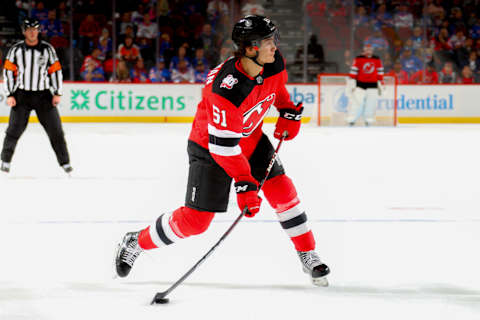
[[160, 299]]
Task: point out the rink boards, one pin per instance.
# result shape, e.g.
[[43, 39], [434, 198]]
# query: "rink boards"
[[107, 102]]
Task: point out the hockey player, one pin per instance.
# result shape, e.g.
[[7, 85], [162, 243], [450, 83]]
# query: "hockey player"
[[33, 81], [364, 86], [226, 142]]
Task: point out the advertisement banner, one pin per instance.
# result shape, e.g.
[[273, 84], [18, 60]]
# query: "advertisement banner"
[[108, 102]]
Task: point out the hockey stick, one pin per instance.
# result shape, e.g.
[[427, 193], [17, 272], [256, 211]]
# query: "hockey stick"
[[160, 297]]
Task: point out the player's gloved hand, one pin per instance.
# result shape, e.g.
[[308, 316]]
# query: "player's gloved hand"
[[290, 121], [381, 87], [247, 196]]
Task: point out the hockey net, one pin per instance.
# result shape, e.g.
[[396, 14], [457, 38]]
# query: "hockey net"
[[334, 102]]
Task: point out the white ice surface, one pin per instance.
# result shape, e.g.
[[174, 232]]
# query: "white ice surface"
[[395, 212]]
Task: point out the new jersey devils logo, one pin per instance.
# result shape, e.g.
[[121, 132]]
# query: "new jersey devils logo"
[[255, 115], [368, 67], [228, 82]]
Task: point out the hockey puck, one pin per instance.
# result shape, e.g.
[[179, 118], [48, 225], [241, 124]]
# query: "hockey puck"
[[160, 301]]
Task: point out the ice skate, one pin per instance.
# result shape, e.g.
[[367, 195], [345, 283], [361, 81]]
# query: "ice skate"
[[313, 266], [127, 252], [5, 167]]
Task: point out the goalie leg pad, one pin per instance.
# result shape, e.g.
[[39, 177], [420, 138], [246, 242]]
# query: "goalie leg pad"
[[282, 196], [355, 110], [173, 226], [371, 102]]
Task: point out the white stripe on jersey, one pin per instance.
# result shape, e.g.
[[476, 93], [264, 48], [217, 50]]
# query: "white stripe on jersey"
[[223, 133], [224, 151]]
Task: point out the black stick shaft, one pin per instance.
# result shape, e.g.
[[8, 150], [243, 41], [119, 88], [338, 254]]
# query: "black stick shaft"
[[161, 295]]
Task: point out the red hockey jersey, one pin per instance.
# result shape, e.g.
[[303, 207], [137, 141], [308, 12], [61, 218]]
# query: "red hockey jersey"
[[229, 118], [367, 71]]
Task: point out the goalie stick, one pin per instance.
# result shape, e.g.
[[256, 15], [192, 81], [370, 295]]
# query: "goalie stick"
[[160, 297]]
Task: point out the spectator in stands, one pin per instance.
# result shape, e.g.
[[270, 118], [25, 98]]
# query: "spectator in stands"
[[473, 62], [138, 73], [378, 42], [199, 57], [410, 63], [129, 52], [201, 72], [93, 72], [466, 76], [40, 12], [417, 40], [160, 72], [383, 18], [183, 73], [475, 30], [403, 21], [210, 42], [338, 9], [457, 40], [252, 7], [361, 18], [122, 73], [447, 74], [147, 29], [52, 27], [126, 21], [428, 76], [104, 44], [166, 48], [397, 49], [402, 18], [216, 10], [402, 76], [435, 9], [93, 58], [138, 16], [89, 31], [62, 12], [181, 55]]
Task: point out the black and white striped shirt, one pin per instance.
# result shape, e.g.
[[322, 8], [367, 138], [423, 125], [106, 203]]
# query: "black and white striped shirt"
[[32, 68]]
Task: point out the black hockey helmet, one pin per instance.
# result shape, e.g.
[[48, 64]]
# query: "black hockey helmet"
[[252, 29], [30, 23]]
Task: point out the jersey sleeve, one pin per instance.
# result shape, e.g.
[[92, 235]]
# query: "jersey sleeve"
[[10, 71], [354, 69], [55, 71], [379, 68], [283, 99], [225, 126]]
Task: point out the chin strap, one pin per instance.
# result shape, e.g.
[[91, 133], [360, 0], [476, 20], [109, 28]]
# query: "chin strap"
[[254, 59]]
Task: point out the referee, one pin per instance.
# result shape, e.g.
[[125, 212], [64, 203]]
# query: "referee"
[[33, 81]]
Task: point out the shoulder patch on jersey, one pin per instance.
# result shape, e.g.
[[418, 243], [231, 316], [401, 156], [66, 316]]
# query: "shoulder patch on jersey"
[[228, 82], [271, 69], [225, 85]]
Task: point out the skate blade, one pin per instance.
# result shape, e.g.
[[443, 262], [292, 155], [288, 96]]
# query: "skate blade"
[[320, 282]]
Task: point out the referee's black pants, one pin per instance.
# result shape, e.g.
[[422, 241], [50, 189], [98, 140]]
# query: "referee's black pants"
[[48, 116]]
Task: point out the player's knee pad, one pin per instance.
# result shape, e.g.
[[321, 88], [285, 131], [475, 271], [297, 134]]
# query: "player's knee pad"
[[280, 193], [186, 221]]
